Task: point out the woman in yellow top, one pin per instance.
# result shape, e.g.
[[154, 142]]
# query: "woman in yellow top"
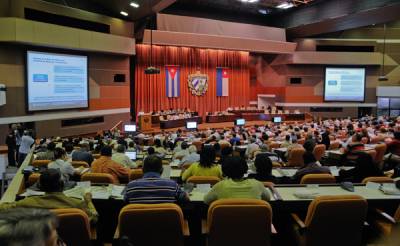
[[206, 167]]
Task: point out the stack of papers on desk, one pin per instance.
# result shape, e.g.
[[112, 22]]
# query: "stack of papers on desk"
[[116, 191], [30, 192]]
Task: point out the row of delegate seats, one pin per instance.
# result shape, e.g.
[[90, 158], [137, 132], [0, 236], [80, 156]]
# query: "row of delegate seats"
[[341, 216]]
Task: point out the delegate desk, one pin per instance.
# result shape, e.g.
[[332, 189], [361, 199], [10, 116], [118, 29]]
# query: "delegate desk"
[[269, 117], [164, 124], [155, 118]]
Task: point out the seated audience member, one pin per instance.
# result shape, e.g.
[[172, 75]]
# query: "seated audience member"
[[158, 148], [50, 182], [235, 140], [182, 152], [131, 146], [235, 185], [225, 152], [325, 139], [251, 148], [151, 151], [152, 188], [263, 165], [355, 144], [394, 146], [61, 163], [192, 157], [48, 154], [121, 158], [310, 167], [310, 143], [83, 154], [106, 165], [286, 143], [34, 227], [69, 148], [364, 167], [206, 166]]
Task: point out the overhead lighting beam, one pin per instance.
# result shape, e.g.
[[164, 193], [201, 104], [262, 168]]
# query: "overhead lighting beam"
[[135, 5], [249, 1], [124, 13], [285, 5]]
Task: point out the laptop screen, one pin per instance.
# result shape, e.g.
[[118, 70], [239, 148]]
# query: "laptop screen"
[[131, 155]]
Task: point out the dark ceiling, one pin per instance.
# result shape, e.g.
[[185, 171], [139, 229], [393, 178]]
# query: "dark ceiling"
[[215, 9], [309, 18]]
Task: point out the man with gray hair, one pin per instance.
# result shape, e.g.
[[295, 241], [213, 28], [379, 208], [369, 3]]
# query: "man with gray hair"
[[121, 158], [25, 226]]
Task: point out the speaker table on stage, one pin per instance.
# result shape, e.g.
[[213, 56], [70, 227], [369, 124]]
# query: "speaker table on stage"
[[145, 122]]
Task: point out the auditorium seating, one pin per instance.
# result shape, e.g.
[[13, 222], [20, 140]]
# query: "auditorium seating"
[[203, 180], [296, 157], [380, 180], [250, 225], [321, 178], [152, 224], [136, 173], [332, 221], [319, 151], [40, 163], [98, 178], [74, 227], [77, 164]]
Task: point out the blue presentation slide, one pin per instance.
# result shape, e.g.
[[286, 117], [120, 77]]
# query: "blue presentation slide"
[[56, 81], [344, 84]]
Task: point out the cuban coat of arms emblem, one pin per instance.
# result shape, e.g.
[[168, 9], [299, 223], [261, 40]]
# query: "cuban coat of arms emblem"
[[198, 83]]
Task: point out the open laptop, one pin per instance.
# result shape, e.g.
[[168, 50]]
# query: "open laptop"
[[131, 155]]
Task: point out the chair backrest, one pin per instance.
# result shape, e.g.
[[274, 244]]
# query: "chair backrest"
[[33, 178], [274, 145], [319, 151], [76, 164], [139, 222], [375, 140], [372, 153], [382, 179], [334, 145], [320, 178], [40, 163], [73, 228], [136, 173], [301, 141], [380, 152], [165, 162], [251, 222], [296, 157], [338, 220], [212, 180], [99, 178]]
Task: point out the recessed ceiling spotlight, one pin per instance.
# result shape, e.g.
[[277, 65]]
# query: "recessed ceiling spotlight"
[[123, 13], [263, 11], [135, 5], [249, 1], [285, 5]]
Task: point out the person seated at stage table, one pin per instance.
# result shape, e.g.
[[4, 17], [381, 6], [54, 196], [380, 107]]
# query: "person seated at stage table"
[[51, 183], [263, 165], [206, 166], [106, 165], [364, 167], [61, 163], [192, 157], [48, 153], [121, 158], [83, 154], [235, 185], [311, 166], [152, 188]]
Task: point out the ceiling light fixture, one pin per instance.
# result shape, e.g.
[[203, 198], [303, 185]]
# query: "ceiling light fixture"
[[263, 11], [123, 13], [285, 5], [135, 5]]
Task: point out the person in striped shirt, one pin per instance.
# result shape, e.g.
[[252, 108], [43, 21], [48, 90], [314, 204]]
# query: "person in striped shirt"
[[152, 188]]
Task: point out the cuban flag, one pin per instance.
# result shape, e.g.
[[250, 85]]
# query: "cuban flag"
[[172, 81], [222, 82]]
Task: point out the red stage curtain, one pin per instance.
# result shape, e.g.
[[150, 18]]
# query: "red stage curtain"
[[150, 90]]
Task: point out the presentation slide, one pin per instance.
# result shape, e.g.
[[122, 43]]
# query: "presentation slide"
[[56, 81], [344, 84]]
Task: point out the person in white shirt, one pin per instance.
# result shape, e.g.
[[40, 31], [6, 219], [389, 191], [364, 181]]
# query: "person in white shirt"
[[121, 158], [25, 146], [192, 157], [182, 152], [251, 148], [66, 169]]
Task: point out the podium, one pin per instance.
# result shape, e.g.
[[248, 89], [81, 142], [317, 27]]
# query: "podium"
[[145, 122]]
